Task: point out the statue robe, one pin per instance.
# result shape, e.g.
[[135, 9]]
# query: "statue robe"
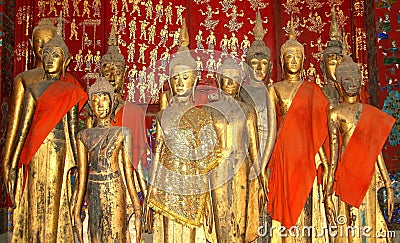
[[358, 179]]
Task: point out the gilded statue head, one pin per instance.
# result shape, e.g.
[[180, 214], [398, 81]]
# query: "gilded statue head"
[[182, 68], [113, 64], [259, 56], [101, 98], [229, 78], [348, 74], [41, 34], [292, 54], [333, 53], [55, 57]]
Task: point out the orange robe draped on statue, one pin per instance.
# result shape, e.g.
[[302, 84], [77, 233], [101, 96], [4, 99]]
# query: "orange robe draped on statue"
[[292, 163], [357, 164]]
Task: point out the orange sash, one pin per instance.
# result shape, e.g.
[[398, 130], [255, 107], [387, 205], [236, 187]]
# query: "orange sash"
[[132, 117], [51, 106], [357, 165], [292, 163]]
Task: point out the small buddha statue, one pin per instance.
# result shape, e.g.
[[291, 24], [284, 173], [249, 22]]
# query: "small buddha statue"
[[357, 167], [101, 151], [46, 150]]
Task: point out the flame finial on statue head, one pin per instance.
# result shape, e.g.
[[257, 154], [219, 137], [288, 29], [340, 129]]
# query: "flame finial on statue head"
[[346, 48], [334, 32], [258, 29], [183, 37], [60, 25], [258, 47], [113, 53], [183, 56], [292, 41]]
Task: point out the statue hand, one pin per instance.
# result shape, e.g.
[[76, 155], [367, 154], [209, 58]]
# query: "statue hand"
[[10, 185], [330, 211], [138, 223], [78, 226], [261, 199], [148, 219], [390, 201], [209, 217]]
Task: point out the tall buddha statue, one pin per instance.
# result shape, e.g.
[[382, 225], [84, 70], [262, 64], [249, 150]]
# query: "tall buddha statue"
[[330, 59], [42, 33], [101, 151], [357, 167], [302, 111], [46, 150], [255, 93], [184, 147], [234, 195]]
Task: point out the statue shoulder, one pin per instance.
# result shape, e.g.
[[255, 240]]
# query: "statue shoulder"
[[29, 76]]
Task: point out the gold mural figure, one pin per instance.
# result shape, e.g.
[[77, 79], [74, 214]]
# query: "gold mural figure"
[[79, 61], [105, 170], [75, 4], [168, 14], [86, 9], [74, 30], [46, 149], [179, 11]]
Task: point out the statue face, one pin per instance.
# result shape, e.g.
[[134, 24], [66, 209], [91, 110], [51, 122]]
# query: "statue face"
[[182, 80], [260, 68], [115, 74], [351, 83], [230, 81], [331, 61], [101, 105], [53, 60], [293, 61], [41, 37]]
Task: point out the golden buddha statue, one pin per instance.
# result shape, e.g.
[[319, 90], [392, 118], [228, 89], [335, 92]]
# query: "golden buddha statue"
[[331, 57], [235, 196], [255, 93], [42, 33], [185, 141], [357, 167], [46, 150], [302, 114], [105, 169]]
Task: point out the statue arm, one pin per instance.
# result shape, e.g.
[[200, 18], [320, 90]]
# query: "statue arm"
[[152, 174], [25, 124], [388, 185], [73, 127], [272, 128], [128, 170], [325, 165], [334, 146], [15, 115], [80, 186]]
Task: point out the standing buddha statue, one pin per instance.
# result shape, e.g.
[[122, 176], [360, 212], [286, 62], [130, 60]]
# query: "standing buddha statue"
[[234, 195], [302, 114], [357, 169], [105, 168], [185, 141], [46, 149], [255, 93]]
